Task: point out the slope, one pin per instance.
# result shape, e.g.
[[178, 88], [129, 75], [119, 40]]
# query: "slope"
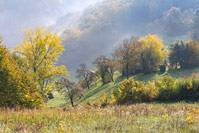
[[96, 91]]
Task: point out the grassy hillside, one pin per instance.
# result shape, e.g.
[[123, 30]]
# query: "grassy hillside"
[[96, 91]]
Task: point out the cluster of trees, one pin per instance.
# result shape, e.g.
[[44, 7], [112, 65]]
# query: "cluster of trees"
[[184, 55], [29, 73], [144, 55]]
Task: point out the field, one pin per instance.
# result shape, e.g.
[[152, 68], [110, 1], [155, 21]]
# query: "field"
[[89, 116], [178, 117]]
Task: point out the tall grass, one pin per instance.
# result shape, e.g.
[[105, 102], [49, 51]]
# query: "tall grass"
[[180, 117]]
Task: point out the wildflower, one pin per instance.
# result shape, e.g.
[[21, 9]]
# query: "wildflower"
[[190, 119], [141, 128], [165, 116], [112, 97], [61, 127], [104, 97]]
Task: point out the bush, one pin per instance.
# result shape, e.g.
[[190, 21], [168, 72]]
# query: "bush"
[[167, 88], [135, 91], [188, 89]]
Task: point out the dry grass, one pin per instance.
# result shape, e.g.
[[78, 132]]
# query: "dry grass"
[[179, 117]]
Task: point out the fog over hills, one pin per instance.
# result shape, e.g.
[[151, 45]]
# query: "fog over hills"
[[101, 27], [90, 28], [18, 15]]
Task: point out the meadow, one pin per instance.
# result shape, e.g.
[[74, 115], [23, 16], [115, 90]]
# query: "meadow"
[[90, 116], [154, 117]]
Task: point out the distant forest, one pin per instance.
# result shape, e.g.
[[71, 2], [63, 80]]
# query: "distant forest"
[[103, 26]]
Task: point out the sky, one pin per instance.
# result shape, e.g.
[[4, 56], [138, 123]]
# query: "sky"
[[18, 15]]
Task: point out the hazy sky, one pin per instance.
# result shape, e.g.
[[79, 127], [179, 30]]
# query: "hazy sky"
[[17, 15]]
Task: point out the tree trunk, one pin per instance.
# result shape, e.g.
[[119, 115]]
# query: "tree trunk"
[[71, 100], [103, 80], [88, 84], [127, 71], [111, 75]]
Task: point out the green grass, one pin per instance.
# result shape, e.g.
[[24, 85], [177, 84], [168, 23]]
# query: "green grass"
[[97, 89]]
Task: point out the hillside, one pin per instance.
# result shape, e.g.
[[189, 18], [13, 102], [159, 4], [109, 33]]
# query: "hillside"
[[101, 27], [96, 91]]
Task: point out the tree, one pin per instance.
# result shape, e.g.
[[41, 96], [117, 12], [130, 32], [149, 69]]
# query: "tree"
[[111, 68], [70, 89], [153, 53], [84, 73], [17, 87], [101, 63], [40, 51], [127, 55], [176, 54], [185, 55]]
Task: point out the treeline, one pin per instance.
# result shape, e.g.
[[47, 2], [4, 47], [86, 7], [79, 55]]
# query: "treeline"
[[146, 55]]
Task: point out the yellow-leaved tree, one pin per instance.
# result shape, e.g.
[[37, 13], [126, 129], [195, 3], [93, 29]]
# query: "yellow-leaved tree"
[[153, 53], [40, 51]]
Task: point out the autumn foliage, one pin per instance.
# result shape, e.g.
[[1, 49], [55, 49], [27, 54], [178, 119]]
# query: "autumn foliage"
[[17, 87]]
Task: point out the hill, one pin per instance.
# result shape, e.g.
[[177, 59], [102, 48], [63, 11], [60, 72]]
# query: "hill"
[[96, 91], [101, 27]]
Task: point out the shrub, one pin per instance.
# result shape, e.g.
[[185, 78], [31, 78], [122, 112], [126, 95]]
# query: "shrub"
[[188, 89], [135, 91], [167, 88]]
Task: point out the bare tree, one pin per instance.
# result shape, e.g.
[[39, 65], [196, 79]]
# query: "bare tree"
[[71, 89], [84, 73]]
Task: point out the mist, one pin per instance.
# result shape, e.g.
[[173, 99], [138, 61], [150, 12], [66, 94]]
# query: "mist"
[[18, 15], [101, 28]]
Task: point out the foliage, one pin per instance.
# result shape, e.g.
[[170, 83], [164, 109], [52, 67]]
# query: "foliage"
[[153, 53], [17, 87], [40, 51], [146, 55], [127, 56], [135, 91], [185, 55], [167, 88], [188, 89]]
